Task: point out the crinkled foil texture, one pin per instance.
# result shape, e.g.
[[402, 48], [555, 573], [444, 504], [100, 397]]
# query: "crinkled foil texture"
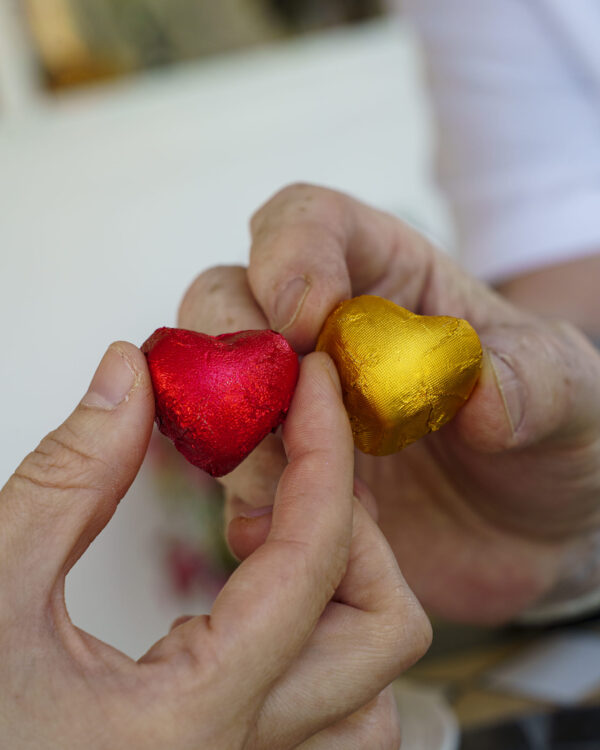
[[217, 397], [403, 375]]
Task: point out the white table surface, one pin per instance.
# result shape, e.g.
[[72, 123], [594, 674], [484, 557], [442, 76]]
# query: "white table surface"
[[111, 201]]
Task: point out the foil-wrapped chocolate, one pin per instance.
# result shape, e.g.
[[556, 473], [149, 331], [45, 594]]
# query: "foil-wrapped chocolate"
[[217, 397], [403, 375]]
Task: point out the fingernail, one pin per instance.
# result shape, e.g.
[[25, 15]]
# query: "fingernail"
[[510, 387], [112, 381], [333, 375], [250, 512], [289, 303]]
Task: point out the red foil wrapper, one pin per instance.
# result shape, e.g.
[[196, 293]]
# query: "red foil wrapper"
[[217, 397]]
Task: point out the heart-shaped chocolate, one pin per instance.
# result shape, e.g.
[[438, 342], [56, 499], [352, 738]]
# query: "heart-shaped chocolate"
[[403, 375], [217, 397]]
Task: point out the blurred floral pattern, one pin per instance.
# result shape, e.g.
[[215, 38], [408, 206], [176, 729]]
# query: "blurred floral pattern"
[[193, 546]]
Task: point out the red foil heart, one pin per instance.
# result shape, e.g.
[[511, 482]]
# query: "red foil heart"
[[217, 397]]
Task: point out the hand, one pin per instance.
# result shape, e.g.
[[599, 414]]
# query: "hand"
[[483, 514], [278, 663]]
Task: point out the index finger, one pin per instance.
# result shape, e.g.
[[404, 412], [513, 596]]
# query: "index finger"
[[313, 247], [271, 604]]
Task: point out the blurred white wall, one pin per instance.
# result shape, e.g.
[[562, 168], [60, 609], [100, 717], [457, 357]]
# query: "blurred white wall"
[[112, 200]]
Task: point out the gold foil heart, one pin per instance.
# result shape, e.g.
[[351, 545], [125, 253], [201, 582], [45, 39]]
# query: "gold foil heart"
[[403, 375]]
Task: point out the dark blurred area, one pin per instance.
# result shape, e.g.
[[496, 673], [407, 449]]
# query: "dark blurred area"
[[301, 15], [79, 41], [567, 729]]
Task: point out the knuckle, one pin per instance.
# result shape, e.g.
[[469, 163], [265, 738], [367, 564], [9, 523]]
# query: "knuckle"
[[406, 635], [416, 636], [206, 291], [305, 566], [286, 193], [295, 196], [423, 635], [297, 192]]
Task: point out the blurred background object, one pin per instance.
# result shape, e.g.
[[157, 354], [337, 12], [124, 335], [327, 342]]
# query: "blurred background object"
[[78, 41], [302, 15], [191, 543]]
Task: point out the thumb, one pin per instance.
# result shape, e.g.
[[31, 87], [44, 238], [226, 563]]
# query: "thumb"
[[539, 381], [64, 493]]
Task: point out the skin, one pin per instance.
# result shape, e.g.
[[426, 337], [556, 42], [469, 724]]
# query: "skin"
[[483, 515], [275, 665], [566, 290]]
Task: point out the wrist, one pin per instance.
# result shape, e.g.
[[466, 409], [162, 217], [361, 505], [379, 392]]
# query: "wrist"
[[567, 290]]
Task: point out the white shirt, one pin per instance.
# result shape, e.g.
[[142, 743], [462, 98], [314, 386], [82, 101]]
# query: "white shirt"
[[516, 89]]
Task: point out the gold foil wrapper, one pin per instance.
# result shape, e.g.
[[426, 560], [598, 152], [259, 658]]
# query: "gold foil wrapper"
[[403, 375]]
